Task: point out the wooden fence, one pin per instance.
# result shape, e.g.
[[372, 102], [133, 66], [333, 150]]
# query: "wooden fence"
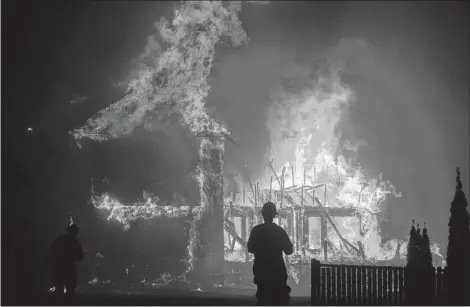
[[334, 284]]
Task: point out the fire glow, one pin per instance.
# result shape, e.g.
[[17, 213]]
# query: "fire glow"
[[307, 165], [307, 168]]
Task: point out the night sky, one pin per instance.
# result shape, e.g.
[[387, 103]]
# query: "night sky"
[[411, 79]]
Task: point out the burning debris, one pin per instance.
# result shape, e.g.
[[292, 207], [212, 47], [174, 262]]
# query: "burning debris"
[[146, 208], [329, 207]]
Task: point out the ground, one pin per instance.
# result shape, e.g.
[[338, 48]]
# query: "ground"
[[165, 298]]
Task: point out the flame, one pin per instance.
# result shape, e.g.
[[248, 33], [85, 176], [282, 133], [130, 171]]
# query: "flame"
[[313, 149], [146, 208], [304, 145], [175, 81]]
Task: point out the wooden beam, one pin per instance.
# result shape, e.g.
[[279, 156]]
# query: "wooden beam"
[[249, 224], [298, 228], [252, 190], [230, 228], [306, 234], [302, 191], [309, 211], [271, 189], [274, 171], [256, 195], [346, 242], [292, 168], [316, 211], [232, 246], [323, 227], [243, 225], [361, 250], [282, 186], [290, 226], [244, 195], [291, 188]]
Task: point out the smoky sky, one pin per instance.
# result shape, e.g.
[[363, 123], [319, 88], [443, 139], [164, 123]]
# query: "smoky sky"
[[407, 62]]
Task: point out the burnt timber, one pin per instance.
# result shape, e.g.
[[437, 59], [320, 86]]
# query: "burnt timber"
[[297, 204]]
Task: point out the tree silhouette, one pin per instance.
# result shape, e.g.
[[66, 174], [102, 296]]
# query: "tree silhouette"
[[425, 250], [411, 257], [412, 261], [418, 241], [458, 249]]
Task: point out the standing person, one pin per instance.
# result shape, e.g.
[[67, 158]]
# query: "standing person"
[[61, 258], [267, 242]]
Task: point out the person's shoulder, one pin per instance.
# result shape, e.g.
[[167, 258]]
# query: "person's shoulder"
[[280, 229]]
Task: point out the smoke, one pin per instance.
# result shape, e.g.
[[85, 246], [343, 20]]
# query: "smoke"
[[401, 111], [393, 113], [307, 114]]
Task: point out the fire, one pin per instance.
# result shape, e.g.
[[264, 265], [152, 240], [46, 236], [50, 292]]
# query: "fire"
[[146, 208], [302, 131], [173, 85], [306, 150]]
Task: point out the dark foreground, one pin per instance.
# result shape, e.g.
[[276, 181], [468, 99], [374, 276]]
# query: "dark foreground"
[[155, 300]]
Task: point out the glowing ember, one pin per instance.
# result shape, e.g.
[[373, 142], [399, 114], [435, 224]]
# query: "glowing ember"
[[53, 289]]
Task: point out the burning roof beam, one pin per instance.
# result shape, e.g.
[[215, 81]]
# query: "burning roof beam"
[[346, 242]]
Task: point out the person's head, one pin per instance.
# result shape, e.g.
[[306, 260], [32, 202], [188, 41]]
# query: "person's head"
[[73, 230], [269, 212]]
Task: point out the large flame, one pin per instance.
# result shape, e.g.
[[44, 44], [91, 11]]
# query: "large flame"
[[305, 145], [174, 82]]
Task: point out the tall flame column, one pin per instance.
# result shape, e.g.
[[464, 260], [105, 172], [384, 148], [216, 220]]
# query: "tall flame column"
[[206, 248]]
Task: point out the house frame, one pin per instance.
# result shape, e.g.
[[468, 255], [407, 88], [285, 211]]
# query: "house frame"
[[295, 215]]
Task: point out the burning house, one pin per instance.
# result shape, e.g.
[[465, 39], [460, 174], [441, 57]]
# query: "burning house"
[[315, 214], [328, 205]]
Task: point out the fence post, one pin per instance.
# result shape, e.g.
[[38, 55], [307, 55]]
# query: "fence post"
[[315, 283]]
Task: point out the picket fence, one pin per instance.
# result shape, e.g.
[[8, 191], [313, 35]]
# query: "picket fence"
[[333, 284]]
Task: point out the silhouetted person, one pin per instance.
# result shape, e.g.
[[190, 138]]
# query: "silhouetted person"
[[61, 258], [267, 242]]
